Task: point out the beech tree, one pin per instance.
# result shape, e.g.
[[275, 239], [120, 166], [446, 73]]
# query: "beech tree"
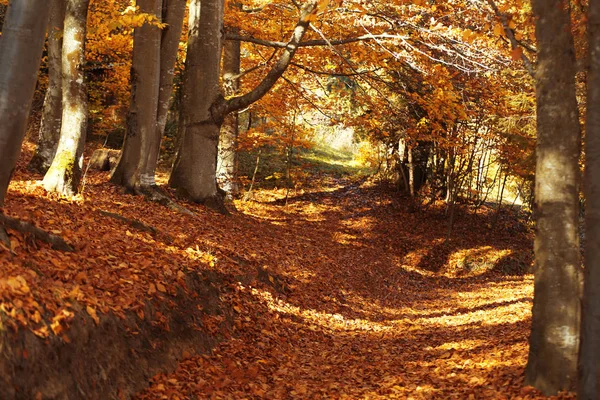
[[554, 340], [49, 133], [194, 171], [153, 66], [20, 53], [64, 173], [227, 158], [589, 385]]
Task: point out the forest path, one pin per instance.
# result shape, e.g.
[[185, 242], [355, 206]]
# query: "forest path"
[[364, 299]]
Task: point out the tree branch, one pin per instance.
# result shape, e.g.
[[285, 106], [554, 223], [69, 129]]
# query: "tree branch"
[[332, 73], [510, 34], [223, 107], [309, 43], [57, 242]]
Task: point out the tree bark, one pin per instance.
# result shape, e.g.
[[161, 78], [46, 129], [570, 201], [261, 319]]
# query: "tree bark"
[[227, 157], [153, 68], [139, 151], [589, 384], [173, 12], [20, 53], [49, 133], [64, 173], [194, 172], [554, 340]]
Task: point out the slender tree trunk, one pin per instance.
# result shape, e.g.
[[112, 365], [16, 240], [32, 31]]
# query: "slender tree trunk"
[[411, 172], [554, 340], [20, 52], [500, 199], [64, 174], [139, 152], [450, 176], [227, 158], [52, 112], [194, 171], [173, 12], [589, 384]]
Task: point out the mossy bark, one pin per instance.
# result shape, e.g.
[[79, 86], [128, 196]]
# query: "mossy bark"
[[64, 173]]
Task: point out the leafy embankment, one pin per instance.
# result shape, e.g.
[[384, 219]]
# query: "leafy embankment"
[[345, 292]]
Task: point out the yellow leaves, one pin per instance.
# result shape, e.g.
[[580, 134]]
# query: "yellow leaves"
[[92, 313], [499, 29], [203, 256], [16, 284], [322, 5]]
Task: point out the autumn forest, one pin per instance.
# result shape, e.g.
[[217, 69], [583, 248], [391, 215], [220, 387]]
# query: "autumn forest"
[[299, 199]]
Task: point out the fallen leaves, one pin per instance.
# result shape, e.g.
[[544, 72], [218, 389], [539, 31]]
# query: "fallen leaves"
[[340, 294]]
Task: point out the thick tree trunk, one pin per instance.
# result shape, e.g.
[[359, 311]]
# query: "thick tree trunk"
[[64, 174], [142, 140], [154, 57], [227, 159], [194, 172], [589, 384], [20, 52], [52, 112], [554, 340]]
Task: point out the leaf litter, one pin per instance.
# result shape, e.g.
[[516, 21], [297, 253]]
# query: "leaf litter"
[[362, 296]]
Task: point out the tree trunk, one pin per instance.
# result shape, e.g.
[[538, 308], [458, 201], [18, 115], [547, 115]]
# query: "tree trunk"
[[194, 172], [64, 174], [589, 385], [554, 340], [173, 12], [20, 53], [411, 172], [52, 112], [153, 68], [142, 140], [227, 158]]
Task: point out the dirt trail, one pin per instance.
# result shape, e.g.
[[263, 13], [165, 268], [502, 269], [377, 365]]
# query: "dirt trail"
[[361, 298]]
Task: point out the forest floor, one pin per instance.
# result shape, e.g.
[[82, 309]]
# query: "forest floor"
[[354, 294]]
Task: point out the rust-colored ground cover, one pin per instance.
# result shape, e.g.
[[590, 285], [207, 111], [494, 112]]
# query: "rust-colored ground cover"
[[358, 295]]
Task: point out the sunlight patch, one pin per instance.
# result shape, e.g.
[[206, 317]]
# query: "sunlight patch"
[[475, 261]]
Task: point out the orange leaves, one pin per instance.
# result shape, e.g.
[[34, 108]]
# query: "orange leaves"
[[516, 53], [16, 284]]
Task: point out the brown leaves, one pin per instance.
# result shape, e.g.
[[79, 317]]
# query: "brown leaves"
[[375, 310]]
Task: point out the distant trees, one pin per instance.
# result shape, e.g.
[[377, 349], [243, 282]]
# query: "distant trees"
[[20, 52]]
